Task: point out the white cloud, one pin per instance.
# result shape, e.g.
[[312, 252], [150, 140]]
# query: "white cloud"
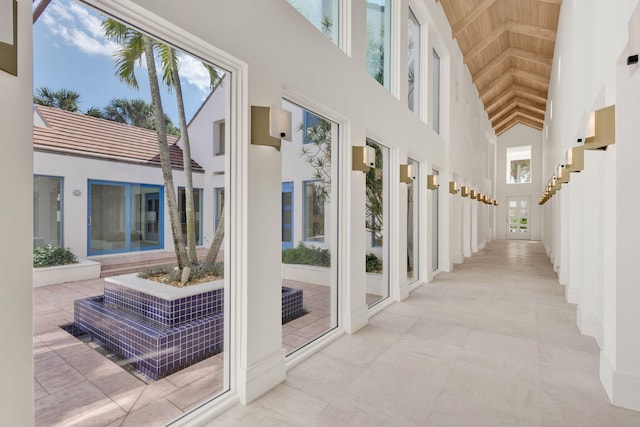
[[78, 27], [195, 73]]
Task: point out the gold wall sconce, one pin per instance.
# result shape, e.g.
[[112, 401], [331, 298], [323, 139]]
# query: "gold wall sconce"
[[480, 197], [602, 129], [363, 158], [575, 159], [562, 175], [270, 125], [453, 187], [555, 185], [464, 191], [473, 194], [433, 183], [405, 174], [495, 202]]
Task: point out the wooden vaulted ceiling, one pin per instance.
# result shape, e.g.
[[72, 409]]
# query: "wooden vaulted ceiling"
[[508, 47]]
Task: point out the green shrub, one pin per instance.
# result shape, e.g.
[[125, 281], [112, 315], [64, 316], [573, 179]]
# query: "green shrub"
[[49, 256], [374, 265], [306, 255]]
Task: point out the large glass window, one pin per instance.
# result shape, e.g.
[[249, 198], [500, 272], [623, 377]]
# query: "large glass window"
[[379, 41], [414, 63], [377, 213], [115, 349], [413, 207], [47, 211], [309, 229], [197, 212], [519, 165], [323, 14], [435, 106]]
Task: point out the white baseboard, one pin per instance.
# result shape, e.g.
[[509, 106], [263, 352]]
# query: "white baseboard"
[[572, 295], [259, 378], [589, 325], [623, 389]]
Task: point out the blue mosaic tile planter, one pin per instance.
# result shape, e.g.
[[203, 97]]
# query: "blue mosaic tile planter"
[[159, 328], [292, 307]]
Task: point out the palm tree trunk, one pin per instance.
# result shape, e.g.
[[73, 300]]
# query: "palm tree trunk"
[[216, 244], [186, 159], [165, 158]]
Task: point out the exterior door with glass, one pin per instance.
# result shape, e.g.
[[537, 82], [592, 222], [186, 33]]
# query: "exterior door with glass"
[[518, 226]]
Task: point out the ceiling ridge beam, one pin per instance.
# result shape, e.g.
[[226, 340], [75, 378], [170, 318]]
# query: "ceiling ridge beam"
[[471, 16], [530, 107], [505, 109], [516, 104], [517, 112], [517, 120]]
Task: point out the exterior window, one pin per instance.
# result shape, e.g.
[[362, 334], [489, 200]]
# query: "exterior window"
[[287, 215], [314, 200], [519, 165], [414, 63], [379, 41], [435, 226], [197, 206], [218, 138], [218, 201], [125, 217], [323, 14], [47, 211], [436, 92]]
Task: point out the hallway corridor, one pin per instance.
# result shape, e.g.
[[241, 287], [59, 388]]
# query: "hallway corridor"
[[491, 343]]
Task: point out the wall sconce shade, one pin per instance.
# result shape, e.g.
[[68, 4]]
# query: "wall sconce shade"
[[405, 174], [464, 191], [562, 174], [479, 197], [363, 158], [495, 203], [602, 129], [433, 182], [453, 187], [473, 194], [575, 159], [269, 125]]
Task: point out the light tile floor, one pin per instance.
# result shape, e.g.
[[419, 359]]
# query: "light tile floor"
[[491, 343]]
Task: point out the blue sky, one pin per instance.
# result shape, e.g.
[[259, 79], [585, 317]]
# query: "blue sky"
[[70, 52]]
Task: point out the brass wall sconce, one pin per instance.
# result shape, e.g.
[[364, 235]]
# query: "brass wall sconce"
[[405, 174], [480, 197], [562, 175], [453, 187], [473, 194], [363, 158], [602, 129], [464, 191], [433, 183], [555, 185], [575, 159], [495, 202], [270, 125]]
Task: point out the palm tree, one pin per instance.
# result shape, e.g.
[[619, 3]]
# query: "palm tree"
[[63, 99], [95, 112], [133, 46], [136, 112]]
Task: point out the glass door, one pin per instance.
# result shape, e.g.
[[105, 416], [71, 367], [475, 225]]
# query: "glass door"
[[518, 226], [435, 224]]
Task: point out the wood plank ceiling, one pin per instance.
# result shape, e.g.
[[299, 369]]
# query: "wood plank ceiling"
[[508, 47]]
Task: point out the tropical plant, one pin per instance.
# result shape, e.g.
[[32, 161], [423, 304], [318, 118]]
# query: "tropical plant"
[[49, 256], [135, 45], [375, 53], [136, 112], [374, 185], [95, 112], [307, 255], [316, 151], [63, 99]]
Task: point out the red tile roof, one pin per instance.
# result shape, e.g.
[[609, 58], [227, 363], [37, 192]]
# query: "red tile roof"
[[80, 135]]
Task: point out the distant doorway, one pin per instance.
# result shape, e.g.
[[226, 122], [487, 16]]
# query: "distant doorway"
[[518, 226]]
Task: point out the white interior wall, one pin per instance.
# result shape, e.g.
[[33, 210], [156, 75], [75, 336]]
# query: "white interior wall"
[[593, 75]]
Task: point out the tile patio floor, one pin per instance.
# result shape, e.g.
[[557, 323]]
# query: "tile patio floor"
[[77, 386]]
